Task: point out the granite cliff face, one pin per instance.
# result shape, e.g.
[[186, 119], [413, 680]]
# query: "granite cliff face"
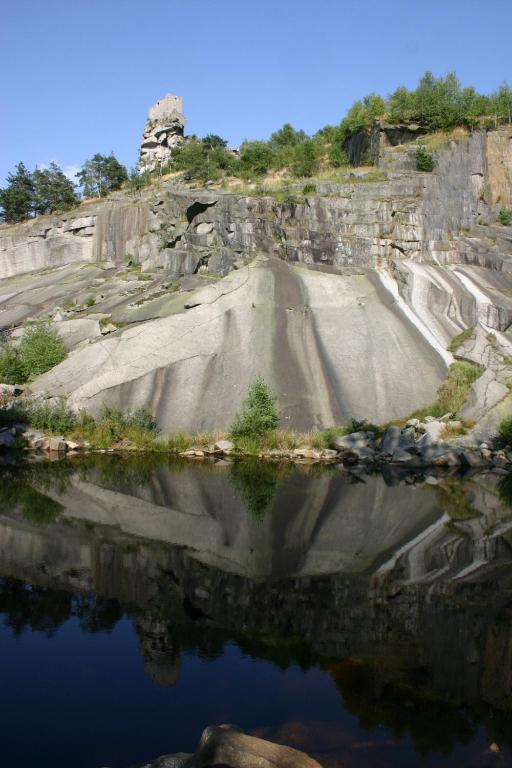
[[345, 299]]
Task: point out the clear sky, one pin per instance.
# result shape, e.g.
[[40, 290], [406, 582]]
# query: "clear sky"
[[78, 76]]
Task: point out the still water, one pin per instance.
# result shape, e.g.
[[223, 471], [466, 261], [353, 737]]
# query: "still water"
[[365, 619]]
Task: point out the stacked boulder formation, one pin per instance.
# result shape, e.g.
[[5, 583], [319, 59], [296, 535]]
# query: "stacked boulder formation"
[[162, 133]]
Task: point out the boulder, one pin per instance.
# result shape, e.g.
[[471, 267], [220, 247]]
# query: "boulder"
[[401, 457], [108, 328], [307, 453], [6, 439], [8, 389], [396, 439], [474, 459], [434, 429], [224, 446], [225, 745], [57, 445], [448, 459], [179, 760], [356, 440]]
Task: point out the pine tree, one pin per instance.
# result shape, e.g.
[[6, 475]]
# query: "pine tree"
[[53, 191], [101, 174], [16, 199]]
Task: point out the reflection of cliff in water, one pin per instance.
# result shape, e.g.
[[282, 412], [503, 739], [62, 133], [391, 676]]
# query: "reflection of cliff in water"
[[397, 597]]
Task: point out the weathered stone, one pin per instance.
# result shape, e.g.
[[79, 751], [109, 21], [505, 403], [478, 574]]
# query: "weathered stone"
[[224, 446], [400, 456], [434, 430], [162, 132], [485, 393], [57, 444], [225, 745], [108, 328], [474, 459], [448, 459], [178, 760], [6, 439], [396, 439], [307, 453], [354, 441], [391, 440], [7, 389]]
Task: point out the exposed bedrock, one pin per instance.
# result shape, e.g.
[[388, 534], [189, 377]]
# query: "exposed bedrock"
[[352, 226], [344, 300], [333, 347]]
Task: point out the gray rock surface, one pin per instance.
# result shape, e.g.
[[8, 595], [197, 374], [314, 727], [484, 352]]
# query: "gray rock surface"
[[401, 265], [224, 745], [162, 133]]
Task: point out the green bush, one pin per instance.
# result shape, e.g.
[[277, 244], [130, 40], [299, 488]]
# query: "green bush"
[[259, 414], [52, 416], [12, 370], [256, 158], [305, 159], [505, 217], [505, 431], [40, 349], [424, 160], [309, 189], [454, 390]]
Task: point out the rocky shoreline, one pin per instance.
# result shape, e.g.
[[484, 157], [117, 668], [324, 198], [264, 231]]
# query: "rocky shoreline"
[[416, 445]]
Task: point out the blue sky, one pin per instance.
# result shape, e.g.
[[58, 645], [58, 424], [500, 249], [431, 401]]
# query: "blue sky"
[[79, 76]]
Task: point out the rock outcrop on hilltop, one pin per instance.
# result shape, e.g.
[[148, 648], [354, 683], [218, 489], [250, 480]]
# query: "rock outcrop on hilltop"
[[345, 299], [162, 133]]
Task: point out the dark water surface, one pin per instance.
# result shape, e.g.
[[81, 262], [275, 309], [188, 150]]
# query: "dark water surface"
[[364, 619]]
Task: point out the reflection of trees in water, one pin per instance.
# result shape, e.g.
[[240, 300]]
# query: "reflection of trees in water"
[[505, 490], [256, 482], [25, 487], [405, 706], [25, 607], [404, 701]]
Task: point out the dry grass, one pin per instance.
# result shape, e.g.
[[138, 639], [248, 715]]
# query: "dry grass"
[[441, 139]]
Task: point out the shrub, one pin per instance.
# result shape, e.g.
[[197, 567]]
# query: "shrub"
[[259, 414], [114, 424], [40, 349], [256, 157], [505, 431], [505, 217], [305, 159], [424, 160], [453, 391], [309, 189], [90, 301], [12, 370], [52, 416]]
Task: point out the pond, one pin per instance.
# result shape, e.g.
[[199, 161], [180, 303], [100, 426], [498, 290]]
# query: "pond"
[[363, 618]]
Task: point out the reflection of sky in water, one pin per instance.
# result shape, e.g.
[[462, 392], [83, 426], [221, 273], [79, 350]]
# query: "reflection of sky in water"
[[85, 700]]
